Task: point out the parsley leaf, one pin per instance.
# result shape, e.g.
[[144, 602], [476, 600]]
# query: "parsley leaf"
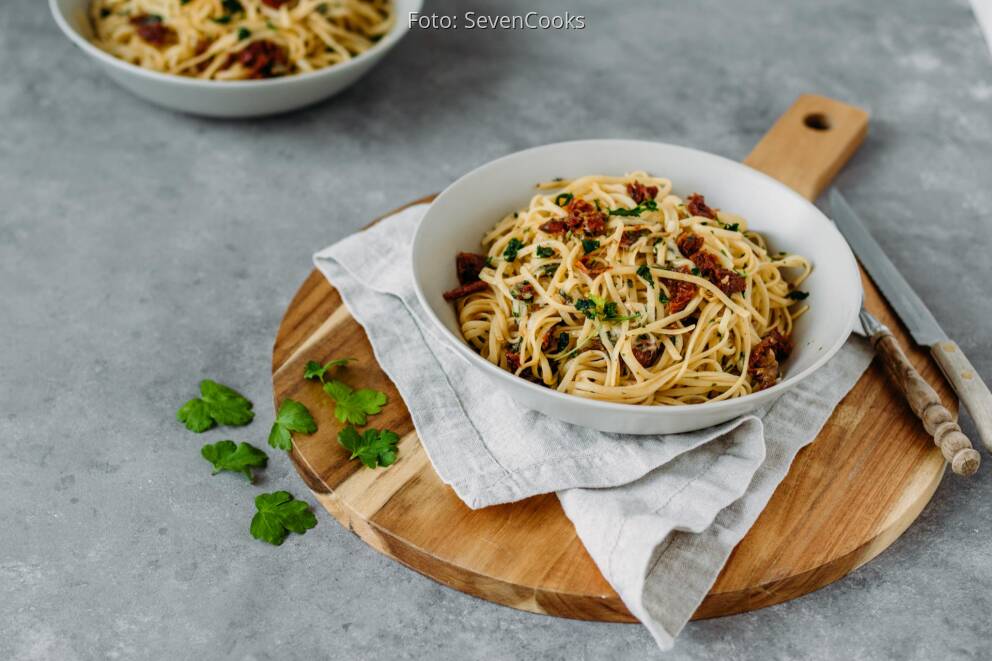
[[646, 205], [588, 245], [586, 306], [545, 251], [798, 295], [354, 406], [512, 248], [316, 370], [732, 227], [240, 458], [596, 307], [217, 405], [644, 271], [243, 33], [292, 416], [278, 515], [232, 6], [374, 447], [563, 198]]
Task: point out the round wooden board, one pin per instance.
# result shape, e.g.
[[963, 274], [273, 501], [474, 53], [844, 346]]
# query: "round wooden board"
[[848, 495]]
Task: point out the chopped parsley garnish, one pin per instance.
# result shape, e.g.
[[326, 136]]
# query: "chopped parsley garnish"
[[563, 199], [596, 307], [586, 306], [354, 406], [216, 405], [695, 270], [662, 298], [562, 342], [644, 271], [551, 269], [646, 205], [545, 251], [373, 447], [588, 245], [232, 6], [732, 227], [104, 13], [512, 248], [278, 515], [271, 26], [490, 263], [292, 416], [798, 295], [240, 458], [223, 20], [243, 33]]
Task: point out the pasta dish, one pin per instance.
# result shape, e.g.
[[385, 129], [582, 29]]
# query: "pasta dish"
[[614, 288], [238, 39]]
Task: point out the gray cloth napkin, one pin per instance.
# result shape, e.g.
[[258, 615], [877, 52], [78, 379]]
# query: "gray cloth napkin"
[[658, 515]]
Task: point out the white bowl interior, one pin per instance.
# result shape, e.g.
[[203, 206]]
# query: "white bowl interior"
[[473, 204]]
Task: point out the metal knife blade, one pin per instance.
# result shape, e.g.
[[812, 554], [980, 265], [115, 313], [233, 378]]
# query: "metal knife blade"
[[911, 309]]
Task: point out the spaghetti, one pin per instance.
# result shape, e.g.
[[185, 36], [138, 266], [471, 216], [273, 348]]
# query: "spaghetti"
[[238, 39], [615, 289]]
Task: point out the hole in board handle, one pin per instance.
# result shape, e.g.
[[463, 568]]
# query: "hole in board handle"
[[817, 121]]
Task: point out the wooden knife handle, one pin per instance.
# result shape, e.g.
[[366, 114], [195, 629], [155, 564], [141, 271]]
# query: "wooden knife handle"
[[971, 390], [926, 404]]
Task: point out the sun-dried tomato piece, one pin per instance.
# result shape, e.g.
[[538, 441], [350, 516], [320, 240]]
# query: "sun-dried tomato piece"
[[646, 349], [468, 266], [464, 290], [583, 215], [150, 28], [262, 59], [696, 205], [689, 243], [680, 293], [729, 282], [763, 364], [554, 227], [639, 192]]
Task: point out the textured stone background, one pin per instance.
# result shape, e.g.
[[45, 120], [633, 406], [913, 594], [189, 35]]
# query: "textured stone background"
[[141, 250]]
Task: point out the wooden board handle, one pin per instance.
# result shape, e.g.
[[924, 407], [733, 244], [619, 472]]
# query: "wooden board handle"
[[971, 390], [810, 143], [925, 402]]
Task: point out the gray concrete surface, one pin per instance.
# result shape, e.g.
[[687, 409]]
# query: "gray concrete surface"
[[142, 250]]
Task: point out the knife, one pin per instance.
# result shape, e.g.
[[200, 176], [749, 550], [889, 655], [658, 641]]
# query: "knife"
[[925, 330]]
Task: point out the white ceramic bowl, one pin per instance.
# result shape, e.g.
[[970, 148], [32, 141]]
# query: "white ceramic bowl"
[[247, 98], [472, 205]]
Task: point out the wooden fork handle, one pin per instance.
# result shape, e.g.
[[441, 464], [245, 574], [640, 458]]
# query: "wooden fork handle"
[[971, 390], [926, 404]]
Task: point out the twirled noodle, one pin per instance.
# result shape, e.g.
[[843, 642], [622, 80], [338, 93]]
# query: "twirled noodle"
[[614, 288], [238, 39]]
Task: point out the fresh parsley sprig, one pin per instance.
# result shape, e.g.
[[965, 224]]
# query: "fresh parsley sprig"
[[240, 458], [374, 447], [278, 515], [315, 370], [217, 405], [292, 417], [352, 405]]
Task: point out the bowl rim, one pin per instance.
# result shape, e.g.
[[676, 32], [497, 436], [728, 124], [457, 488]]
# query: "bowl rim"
[[615, 407], [397, 32]]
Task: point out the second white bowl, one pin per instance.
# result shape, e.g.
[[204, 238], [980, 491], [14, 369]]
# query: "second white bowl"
[[243, 98]]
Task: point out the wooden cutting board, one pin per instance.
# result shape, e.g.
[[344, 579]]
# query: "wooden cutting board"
[[848, 495]]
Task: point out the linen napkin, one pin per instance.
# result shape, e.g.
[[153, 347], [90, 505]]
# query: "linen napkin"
[[658, 515]]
